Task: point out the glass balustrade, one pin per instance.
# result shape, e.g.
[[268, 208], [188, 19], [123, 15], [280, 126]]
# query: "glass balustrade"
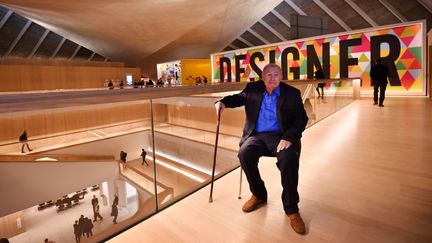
[[178, 135]]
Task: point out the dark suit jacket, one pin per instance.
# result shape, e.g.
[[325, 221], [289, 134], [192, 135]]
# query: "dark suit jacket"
[[291, 115], [379, 74]]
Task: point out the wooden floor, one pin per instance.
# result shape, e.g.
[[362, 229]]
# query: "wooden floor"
[[365, 176]]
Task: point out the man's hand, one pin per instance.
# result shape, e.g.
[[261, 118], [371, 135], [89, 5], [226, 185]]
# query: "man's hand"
[[283, 144], [219, 107]]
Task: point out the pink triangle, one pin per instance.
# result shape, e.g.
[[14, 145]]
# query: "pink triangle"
[[300, 44], [364, 47], [247, 60], [343, 37], [407, 54], [407, 80], [320, 41], [407, 40]]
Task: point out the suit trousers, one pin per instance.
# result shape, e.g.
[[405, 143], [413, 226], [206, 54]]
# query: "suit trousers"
[[265, 144], [382, 88]]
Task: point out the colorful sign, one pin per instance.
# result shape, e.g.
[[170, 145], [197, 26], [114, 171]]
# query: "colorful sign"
[[170, 71], [344, 55]]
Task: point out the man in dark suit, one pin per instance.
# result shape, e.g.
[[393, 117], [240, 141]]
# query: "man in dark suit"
[[379, 74], [275, 120]]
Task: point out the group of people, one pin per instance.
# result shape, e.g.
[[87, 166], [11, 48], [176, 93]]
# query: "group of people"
[[83, 227], [123, 156], [111, 84], [274, 127], [201, 80], [142, 83]]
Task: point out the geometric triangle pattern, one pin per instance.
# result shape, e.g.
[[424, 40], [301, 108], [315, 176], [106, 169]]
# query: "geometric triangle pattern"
[[409, 63]]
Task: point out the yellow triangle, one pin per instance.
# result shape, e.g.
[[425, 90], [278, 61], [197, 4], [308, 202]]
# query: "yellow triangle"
[[363, 58], [408, 32]]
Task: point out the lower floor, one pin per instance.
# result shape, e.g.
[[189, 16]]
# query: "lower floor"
[[365, 176]]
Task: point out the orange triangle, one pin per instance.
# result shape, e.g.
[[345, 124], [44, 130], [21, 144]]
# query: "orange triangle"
[[415, 65], [407, 62]]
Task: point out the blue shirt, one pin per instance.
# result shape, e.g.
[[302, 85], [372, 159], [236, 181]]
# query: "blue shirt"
[[267, 118]]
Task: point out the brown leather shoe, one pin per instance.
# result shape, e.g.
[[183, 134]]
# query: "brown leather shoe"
[[297, 223], [252, 204]]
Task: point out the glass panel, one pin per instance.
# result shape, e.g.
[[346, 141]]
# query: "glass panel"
[[185, 133], [184, 143], [336, 96]]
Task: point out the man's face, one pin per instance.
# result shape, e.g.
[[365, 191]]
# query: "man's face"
[[272, 77]]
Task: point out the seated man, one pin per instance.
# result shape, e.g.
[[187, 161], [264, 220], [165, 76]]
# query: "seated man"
[[275, 120]]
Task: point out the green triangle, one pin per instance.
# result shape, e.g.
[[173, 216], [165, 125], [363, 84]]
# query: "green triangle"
[[217, 74], [417, 52], [400, 66], [303, 67]]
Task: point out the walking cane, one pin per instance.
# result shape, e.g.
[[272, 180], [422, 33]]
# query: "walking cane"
[[214, 157], [241, 173]]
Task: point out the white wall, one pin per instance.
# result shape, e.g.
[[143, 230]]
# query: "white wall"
[[130, 143], [25, 184]]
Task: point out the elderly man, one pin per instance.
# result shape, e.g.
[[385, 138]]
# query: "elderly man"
[[275, 120]]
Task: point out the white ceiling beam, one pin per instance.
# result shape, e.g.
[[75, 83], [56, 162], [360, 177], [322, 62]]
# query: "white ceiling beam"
[[58, 48], [427, 4], [5, 18], [36, 47], [332, 15], [75, 52], [361, 13], [233, 46], [258, 36], [245, 41], [92, 55], [18, 38], [275, 32], [296, 8], [281, 18], [396, 13]]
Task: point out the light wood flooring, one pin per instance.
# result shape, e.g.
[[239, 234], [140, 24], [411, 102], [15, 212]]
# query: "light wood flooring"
[[365, 176]]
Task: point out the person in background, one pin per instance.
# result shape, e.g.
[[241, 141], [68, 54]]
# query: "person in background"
[[320, 75], [110, 85], [123, 156], [143, 155], [379, 74], [94, 201], [114, 212], [24, 141], [275, 120], [116, 199], [149, 83], [96, 213], [77, 231], [121, 85]]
